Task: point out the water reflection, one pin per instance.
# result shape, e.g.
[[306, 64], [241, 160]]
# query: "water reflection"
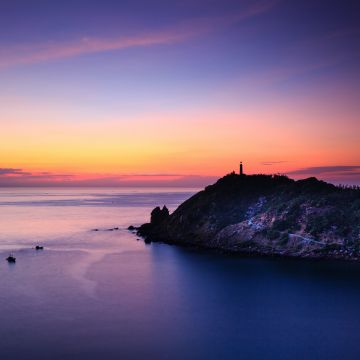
[[95, 295]]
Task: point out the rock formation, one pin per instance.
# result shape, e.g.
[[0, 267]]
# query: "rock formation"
[[265, 214]]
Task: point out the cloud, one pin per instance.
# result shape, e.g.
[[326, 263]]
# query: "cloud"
[[54, 50], [189, 181], [285, 72], [336, 174], [10, 171], [320, 170], [37, 53], [272, 162], [353, 173], [20, 177], [11, 177], [321, 53]]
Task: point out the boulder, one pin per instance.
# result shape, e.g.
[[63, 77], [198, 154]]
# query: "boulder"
[[158, 215]]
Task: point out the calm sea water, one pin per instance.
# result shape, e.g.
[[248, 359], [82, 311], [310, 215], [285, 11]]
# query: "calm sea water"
[[105, 295]]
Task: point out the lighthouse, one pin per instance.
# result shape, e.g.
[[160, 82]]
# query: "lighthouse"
[[241, 168]]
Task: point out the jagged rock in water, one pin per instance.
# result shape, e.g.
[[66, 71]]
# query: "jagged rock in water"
[[158, 216]]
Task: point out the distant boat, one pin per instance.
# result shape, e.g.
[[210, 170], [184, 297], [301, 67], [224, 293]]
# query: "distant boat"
[[11, 258], [38, 247]]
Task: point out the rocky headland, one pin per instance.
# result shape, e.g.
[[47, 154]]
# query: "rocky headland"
[[265, 215]]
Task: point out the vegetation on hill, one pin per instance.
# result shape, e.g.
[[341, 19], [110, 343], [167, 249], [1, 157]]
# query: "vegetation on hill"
[[266, 214]]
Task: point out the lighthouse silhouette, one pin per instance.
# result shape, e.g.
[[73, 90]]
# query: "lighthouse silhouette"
[[241, 168]]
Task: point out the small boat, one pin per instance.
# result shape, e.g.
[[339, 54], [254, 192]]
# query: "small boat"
[[38, 247], [11, 258]]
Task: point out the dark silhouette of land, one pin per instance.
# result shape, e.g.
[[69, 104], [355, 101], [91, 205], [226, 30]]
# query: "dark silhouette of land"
[[265, 214]]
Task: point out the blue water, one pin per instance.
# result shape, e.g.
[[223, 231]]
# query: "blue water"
[[105, 295]]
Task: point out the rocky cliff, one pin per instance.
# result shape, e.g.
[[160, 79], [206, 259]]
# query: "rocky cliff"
[[264, 214]]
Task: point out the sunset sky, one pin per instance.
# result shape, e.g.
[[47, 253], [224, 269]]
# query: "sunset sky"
[[163, 92]]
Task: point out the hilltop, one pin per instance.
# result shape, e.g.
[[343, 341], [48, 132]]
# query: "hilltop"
[[267, 215]]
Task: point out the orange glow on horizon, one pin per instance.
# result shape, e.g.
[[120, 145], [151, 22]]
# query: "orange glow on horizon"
[[202, 143]]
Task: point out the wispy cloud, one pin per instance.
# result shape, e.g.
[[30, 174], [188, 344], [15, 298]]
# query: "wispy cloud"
[[29, 54], [20, 177], [52, 50], [278, 74], [268, 163], [321, 170], [300, 59], [337, 174], [11, 177], [10, 171], [191, 181]]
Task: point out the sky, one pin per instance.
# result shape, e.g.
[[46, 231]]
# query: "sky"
[[177, 93]]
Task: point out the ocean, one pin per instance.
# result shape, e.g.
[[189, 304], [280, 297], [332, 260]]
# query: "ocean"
[[107, 295]]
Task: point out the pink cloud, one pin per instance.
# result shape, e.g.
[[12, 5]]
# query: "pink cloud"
[[27, 54], [337, 174], [36, 53], [10, 177]]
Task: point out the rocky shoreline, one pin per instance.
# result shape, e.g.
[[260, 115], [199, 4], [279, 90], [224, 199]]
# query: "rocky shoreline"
[[261, 215]]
